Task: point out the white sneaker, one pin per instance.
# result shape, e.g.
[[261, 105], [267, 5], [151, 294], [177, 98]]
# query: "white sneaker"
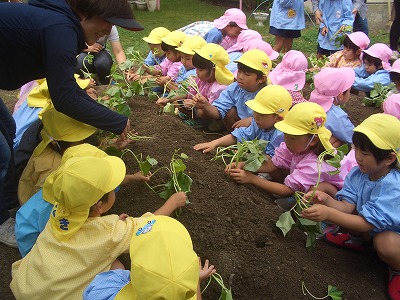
[[7, 233]]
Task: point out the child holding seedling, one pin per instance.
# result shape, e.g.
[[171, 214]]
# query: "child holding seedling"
[[253, 68], [375, 68], [332, 89], [269, 106], [305, 138], [212, 78], [369, 200], [227, 28], [291, 74], [156, 55], [338, 19], [76, 237], [350, 56], [163, 266]]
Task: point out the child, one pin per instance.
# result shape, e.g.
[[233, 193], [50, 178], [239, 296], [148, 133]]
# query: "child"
[[263, 46], [269, 106], [227, 28], [212, 78], [253, 68], [374, 69], [369, 200], [77, 243], [156, 54], [291, 74], [163, 266], [391, 105], [32, 217], [332, 88], [350, 56], [305, 137], [337, 14], [287, 19]]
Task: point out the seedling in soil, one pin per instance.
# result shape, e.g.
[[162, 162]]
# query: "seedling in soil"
[[378, 95], [311, 228], [146, 164], [251, 152], [316, 65], [333, 292], [89, 59], [226, 293]]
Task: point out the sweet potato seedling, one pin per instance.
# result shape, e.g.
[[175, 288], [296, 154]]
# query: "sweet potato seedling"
[[333, 292], [226, 293], [379, 94], [286, 221]]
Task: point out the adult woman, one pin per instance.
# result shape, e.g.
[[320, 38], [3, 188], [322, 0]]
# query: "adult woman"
[[42, 39]]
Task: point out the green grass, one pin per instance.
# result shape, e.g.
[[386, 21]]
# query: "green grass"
[[175, 14]]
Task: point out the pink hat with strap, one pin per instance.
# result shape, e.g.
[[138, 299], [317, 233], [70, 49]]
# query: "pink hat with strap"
[[359, 39], [391, 106], [263, 46], [231, 15], [329, 83], [396, 66], [291, 72], [243, 38], [382, 52]]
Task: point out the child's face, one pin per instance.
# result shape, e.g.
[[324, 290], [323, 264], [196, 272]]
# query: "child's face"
[[186, 60], [298, 143], [205, 75], [173, 56], [156, 50], [265, 122], [343, 98], [232, 31], [368, 164], [350, 54], [370, 68], [248, 81], [110, 202]]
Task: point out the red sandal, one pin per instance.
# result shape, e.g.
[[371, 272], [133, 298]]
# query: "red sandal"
[[343, 240], [394, 284]]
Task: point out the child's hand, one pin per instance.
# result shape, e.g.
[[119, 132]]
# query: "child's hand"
[[200, 101], [324, 31], [319, 197], [229, 167], [241, 176], [161, 102], [189, 103], [138, 176], [242, 123], [123, 217], [206, 270], [316, 213], [122, 141], [92, 93], [178, 199], [206, 147], [162, 80]]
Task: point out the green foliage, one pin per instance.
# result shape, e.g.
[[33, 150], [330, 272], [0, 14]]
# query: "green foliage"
[[379, 94], [333, 292], [339, 35], [226, 293], [315, 65], [251, 152], [286, 221]]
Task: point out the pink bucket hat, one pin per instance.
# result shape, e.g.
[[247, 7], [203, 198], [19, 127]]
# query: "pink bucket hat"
[[396, 66], [263, 46], [359, 39], [382, 52], [391, 106], [291, 72], [231, 15], [329, 83], [243, 38]]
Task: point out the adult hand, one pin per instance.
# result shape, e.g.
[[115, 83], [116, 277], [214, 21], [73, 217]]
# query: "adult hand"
[[95, 48], [125, 133]]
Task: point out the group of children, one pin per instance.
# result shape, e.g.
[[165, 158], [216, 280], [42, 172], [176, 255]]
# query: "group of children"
[[69, 249]]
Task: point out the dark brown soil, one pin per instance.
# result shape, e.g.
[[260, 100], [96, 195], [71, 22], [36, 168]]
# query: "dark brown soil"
[[234, 225]]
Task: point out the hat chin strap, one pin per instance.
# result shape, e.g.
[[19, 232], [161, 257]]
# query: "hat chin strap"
[[309, 142]]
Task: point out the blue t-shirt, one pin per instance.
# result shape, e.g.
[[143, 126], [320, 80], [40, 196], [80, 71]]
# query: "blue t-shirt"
[[338, 122], [184, 74], [214, 36], [152, 60]]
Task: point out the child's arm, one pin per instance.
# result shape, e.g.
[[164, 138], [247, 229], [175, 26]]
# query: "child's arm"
[[367, 84], [138, 176], [205, 272], [242, 123], [206, 110], [175, 201], [224, 141]]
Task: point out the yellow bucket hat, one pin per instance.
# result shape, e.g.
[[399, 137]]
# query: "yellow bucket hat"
[[220, 58], [163, 263], [272, 99], [156, 35], [39, 95], [194, 42], [257, 60], [60, 127], [76, 187], [383, 131], [175, 38], [306, 118]]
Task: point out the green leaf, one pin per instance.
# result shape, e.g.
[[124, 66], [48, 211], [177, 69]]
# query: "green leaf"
[[112, 91], [334, 292], [178, 166], [184, 156], [310, 242], [113, 151], [285, 222], [169, 108], [185, 182], [252, 165], [226, 294], [124, 109]]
